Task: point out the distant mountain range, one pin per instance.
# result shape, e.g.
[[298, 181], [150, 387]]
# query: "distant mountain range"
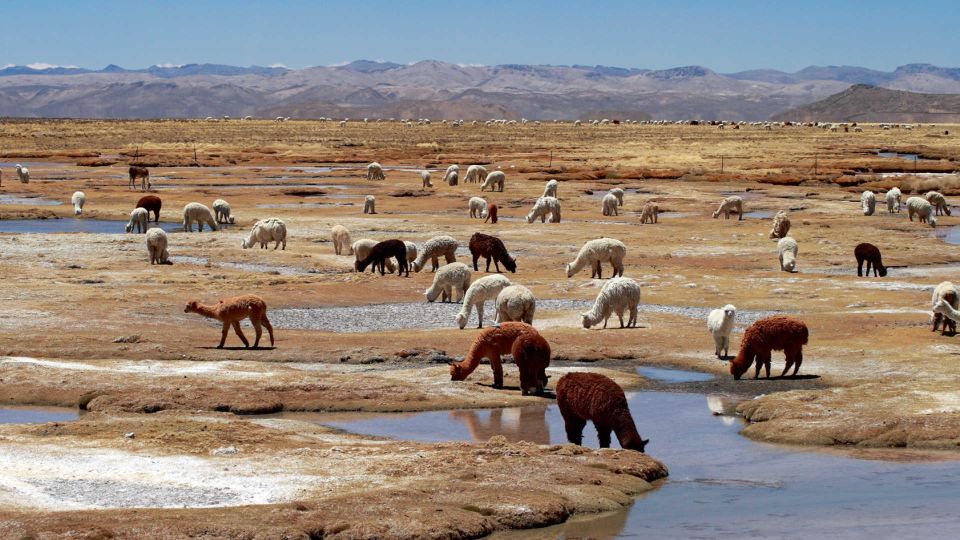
[[866, 103], [440, 90]]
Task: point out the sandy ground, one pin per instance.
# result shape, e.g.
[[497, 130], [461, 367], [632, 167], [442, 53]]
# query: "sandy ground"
[[873, 375]]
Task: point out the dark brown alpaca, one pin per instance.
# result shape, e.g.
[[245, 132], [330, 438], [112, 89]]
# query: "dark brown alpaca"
[[383, 251], [531, 353], [777, 333], [491, 214], [594, 397], [871, 254], [230, 311], [151, 203], [142, 173], [490, 343], [490, 247]]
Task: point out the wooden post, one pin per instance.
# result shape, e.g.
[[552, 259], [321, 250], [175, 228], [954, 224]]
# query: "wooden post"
[[721, 164], [195, 151], [551, 160], [815, 160]]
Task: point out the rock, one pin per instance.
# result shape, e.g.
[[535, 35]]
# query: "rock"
[[134, 338], [225, 451], [129, 435]]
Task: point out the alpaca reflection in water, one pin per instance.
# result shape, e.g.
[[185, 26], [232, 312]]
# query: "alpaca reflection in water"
[[519, 424]]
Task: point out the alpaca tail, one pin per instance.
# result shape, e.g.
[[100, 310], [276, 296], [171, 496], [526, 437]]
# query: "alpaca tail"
[[266, 323]]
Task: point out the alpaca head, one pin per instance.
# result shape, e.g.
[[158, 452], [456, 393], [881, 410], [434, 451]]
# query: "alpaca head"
[[432, 294], [510, 264], [932, 221], [739, 366], [569, 270], [639, 445], [456, 372], [461, 320], [729, 311], [585, 320], [882, 270], [192, 307], [715, 214]]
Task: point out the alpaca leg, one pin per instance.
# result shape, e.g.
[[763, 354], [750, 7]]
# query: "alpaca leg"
[[476, 258], [766, 362], [480, 314], [620, 316], [726, 345], [488, 265], [223, 335], [936, 321], [573, 425], [860, 267], [497, 367], [797, 360], [603, 434], [718, 342], [255, 321], [266, 323], [243, 338]]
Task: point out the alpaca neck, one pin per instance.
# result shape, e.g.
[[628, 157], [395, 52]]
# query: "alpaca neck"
[[626, 431], [470, 362], [208, 311], [949, 312]]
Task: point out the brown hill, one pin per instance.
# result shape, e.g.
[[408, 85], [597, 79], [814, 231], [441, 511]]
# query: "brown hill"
[[865, 103]]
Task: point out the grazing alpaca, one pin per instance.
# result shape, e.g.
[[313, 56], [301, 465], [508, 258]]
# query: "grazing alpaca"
[[942, 307], [781, 225], [871, 254], [491, 247], [341, 240], [938, 201], [531, 353], [490, 344], [151, 203], [383, 251], [598, 251], [594, 397], [730, 204], [139, 172], [138, 220], [608, 206], [78, 200], [491, 213], [231, 311], [648, 214], [777, 333], [949, 294], [433, 249], [23, 174], [199, 214], [157, 246]]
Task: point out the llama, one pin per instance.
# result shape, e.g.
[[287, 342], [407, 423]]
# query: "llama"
[[78, 200], [425, 180], [478, 207], [369, 204], [871, 254], [341, 240], [151, 203], [893, 200], [221, 211], [382, 251], [142, 173], [230, 311], [777, 333], [787, 249], [490, 344], [598, 251], [869, 202], [494, 181], [138, 220], [491, 214], [491, 247], [450, 278], [157, 246], [920, 207], [550, 190], [939, 202], [583, 397], [781, 225], [618, 295], [618, 193], [481, 290], [266, 231], [515, 303], [433, 249], [720, 323], [361, 248], [375, 172], [23, 173], [950, 294], [609, 205], [196, 212], [728, 205], [648, 214], [531, 354], [475, 173]]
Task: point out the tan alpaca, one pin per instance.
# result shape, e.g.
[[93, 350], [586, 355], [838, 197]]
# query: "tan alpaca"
[[231, 311]]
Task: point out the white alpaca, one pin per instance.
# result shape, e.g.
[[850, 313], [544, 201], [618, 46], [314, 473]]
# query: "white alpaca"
[[516, 303], [481, 290], [375, 172], [265, 231], [478, 207], [939, 202], [23, 173], [920, 207], [221, 211], [948, 294], [609, 205], [199, 214], [599, 251], [781, 225], [494, 181], [618, 193], [475, 173], [729, 205], [433, 249], [617, 296], [138, 220], [893, 200], [157, 246], [453, 178], [550, 190], [449, 279], [787, 249], [649, 213], [369, 204], [341, 240], [361, 249], [720, 323], [542, 208], [78, 200], [411, 251], [869, 202], [453, 169], [425, 180]]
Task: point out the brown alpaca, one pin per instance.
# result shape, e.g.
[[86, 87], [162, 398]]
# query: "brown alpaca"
[[151, 203], [595, 397], [491, 214], [381, 252], [491, 247], [777, 333], [139, 172], [491, 343], [230, 311], [871, 254], [531, 353]]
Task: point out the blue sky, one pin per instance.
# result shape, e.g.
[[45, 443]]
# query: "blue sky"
[[726, 36]]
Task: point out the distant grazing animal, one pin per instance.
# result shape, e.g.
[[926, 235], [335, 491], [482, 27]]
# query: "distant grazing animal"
[[720, 323], [550, 190], [949, 294], [197, 213], [618, 295], [449, 279], [221, 210], [542, 208], [425, 180], [453, 170], [157, 246], [142, 173], [598, 251], [869, 202], [648, 214], [490, 344], [728, 205], [781, 225], [151, 203], [920, 207], [609, 205], [583, 397], [78, 200], [777, 333], [370, 204], [475, 173], [515, 303], [893, 200], [23, 173], [787, 249], [266, 231], [938, 201], [481, 290], [494, 181], [871, 254], [433, 249], [491, 214], [618, 193], [491, 247], [381, 252], [138, 220], [362, 247], [478, 207], [531, 354], [230, 311], [375, 172], [341, 240]]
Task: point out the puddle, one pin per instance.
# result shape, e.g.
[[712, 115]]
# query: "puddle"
[[37, 415], [74, 225], [253, 185], [249, 267], [897, 155], [28, 201], [950, 235], [759, 214], [303, 205], [673, 375], [672, 215], [31, 164]]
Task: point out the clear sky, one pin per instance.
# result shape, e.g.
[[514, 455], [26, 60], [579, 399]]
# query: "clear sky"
[[726, 36]]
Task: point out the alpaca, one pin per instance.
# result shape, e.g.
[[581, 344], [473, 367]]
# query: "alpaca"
[[490, 344], [151, 203], [341, 240], [491, 213], [598, 251], [939, 202], [425, 180], [550, 190], [481, 290], [369, 204], [196, 212], [375, 172], [433, 249], [78, 199], [23, 173], [362, 247], [221, 211], [893, 200], [869, 202], [871, 254], [494, 181], [142, 173], [266, 231], [453, 178], [531, 354], [787, 249], [475, 173], [157, 246], [608, 205], [618, 295], [618, 193], [781, 225], [491, 247], [949, 294], [544, 206], [777, 333], [230, 311], [450, 278], [720, 323], [478, 207], [515, 303], [730, 204], [411, 251], [583, 397], [950, 315], [138, 220], [922, 209], [451, 170], [648, 214], [382, 251]]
